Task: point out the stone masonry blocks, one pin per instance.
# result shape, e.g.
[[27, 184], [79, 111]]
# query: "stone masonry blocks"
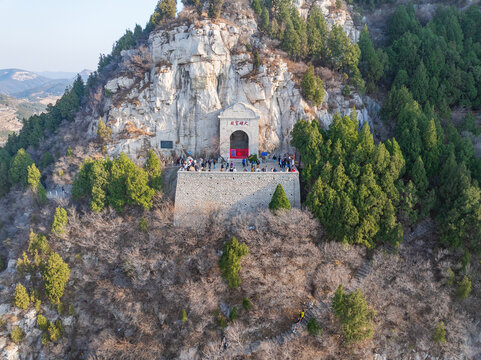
[[230, 193]]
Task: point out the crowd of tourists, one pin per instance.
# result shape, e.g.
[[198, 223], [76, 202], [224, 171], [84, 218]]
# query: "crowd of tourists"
[[286, 164]]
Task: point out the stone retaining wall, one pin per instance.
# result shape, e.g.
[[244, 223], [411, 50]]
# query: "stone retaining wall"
[[230, 193]]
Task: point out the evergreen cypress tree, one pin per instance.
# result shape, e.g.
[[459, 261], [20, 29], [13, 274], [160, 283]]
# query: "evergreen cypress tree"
[[419, 177], [279, 199], [265, 22], [55, 276], [354, 314], [154, 169], [59, 220], [312, 87], [33, 177], [164, 10], [18, 172], [256, 5], [21, 298], [229, 262]]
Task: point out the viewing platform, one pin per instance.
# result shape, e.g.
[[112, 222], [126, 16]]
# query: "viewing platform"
[[199, 193]]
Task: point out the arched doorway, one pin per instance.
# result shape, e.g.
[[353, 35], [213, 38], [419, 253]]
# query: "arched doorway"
[[239, 145]]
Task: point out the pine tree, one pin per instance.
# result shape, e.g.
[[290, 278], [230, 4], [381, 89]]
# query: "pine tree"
[[154, 169], [256, 5], [55, 275], [279, 200], [103, 132], [418, 175], [164, 10], [59, 220], [229, 262], [21, 298], [33, 177], [265, 22], [370, 64], [291, 42], [354, 314], [18, 172], [420, 84], [312, 87]]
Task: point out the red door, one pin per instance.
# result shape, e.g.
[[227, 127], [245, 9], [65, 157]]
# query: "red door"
[[239, 153]]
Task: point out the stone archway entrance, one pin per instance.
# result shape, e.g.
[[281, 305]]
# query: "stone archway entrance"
[[239, 131], [239, 145]]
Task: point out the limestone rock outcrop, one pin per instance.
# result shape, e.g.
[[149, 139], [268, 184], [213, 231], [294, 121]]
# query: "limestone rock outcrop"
[[198, 70]]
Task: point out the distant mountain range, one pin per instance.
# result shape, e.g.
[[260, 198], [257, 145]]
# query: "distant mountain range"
[[27, 84]]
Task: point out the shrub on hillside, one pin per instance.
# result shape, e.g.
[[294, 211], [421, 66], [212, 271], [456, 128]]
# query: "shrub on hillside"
[[143, 226], [354, 314], [230, 261], [246, 303], [17, 335], [440, 333], [233, 314], [464, 288], [279, 200], [184, 316], [55, 330], [21, 298], [42, 322], [313, 327], [59, 220], [38, 242], [103, 131]]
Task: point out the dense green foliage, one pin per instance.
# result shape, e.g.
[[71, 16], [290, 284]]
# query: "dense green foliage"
[[279, 200], [354, 314], [21, 298], [33, 179], [351, 181], [311, 86], [372, 63], [440, 62], [310, 40], [229, 263], [55, 275], [14, 171], [42, 322], [164, 10], [18, 172], [113, 182], [59, 220]]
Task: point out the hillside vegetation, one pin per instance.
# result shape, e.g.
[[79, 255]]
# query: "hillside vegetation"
[[384, 258]]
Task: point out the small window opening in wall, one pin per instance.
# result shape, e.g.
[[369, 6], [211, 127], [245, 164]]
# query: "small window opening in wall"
[[166, 144]]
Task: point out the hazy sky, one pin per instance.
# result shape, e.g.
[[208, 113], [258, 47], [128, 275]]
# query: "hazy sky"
[[65, 35]]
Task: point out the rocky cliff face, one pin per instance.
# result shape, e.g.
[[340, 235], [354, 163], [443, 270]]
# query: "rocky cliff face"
[[199, 69]]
